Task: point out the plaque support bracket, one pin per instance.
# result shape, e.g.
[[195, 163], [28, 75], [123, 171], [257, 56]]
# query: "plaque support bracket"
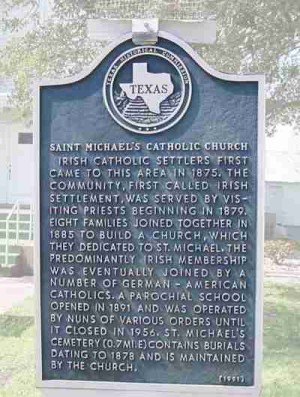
[[145, 31]]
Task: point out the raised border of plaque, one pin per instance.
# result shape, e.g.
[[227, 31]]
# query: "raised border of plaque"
[[113, 389]]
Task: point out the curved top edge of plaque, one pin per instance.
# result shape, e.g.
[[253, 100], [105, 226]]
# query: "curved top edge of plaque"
[[258, 77]]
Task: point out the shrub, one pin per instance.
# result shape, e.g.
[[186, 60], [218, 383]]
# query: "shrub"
[[279, 250]]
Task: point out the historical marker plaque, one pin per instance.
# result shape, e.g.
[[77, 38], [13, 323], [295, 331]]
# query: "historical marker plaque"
[[150, 225]]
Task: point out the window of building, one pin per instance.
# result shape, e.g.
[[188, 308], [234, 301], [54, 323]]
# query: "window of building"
[[25, 138]]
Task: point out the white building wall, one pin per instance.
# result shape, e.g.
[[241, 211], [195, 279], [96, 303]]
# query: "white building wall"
[[283, 199], [16, 164]]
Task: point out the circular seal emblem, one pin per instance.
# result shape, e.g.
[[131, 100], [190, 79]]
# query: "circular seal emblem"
[[147, 89]]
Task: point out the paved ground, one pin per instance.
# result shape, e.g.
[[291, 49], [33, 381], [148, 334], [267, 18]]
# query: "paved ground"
[[288, 272], [279, 278], [14, 291]]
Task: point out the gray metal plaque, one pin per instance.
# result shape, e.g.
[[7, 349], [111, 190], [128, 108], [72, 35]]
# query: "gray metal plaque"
[[150, 226]]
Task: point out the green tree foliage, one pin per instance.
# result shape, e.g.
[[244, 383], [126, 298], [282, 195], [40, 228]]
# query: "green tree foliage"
[[52, 48], [257, 36], [262, 36]]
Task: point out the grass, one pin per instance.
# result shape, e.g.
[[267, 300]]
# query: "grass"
[[282, 340], [17, 352], [281, 346]]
